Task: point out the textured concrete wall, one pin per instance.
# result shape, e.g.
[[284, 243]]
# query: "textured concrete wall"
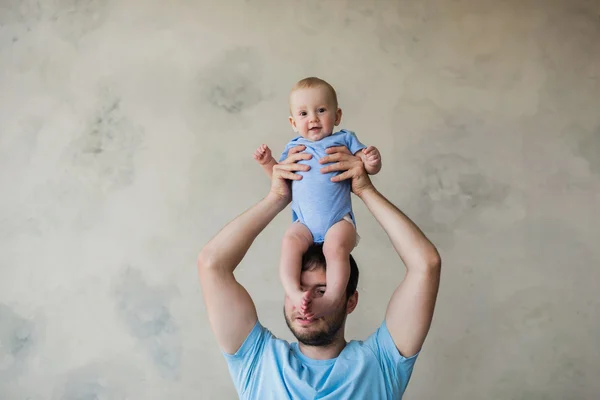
[[126, 134]]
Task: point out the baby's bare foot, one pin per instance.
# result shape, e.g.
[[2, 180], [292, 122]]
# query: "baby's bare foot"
[[301, 301], [306, 307]]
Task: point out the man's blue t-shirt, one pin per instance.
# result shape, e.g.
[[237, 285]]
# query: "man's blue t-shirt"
[[317, 202], [268, 368]]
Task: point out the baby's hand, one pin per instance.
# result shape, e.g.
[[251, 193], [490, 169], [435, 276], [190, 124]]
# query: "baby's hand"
[[263, 154], [372, 158]]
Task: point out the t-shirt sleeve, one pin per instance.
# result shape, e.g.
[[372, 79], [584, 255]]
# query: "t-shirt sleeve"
[[397, 368], [243, 363], [352, 142]]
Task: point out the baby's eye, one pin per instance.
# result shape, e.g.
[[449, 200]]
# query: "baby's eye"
[[322, 110], [302, 113]]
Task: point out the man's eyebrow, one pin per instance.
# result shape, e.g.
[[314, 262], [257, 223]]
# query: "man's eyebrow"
[[317, 285]]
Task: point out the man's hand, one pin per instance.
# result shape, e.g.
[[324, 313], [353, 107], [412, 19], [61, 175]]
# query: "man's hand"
[[285, 171], [353, 167]]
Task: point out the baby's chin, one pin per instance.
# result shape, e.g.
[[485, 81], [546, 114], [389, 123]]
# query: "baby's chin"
[[316, 135]]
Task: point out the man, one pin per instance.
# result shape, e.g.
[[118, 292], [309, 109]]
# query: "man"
[[322, 365]]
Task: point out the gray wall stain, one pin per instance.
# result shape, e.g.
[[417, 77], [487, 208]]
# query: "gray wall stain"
[[95, 381], [453, 191], [18, 18], [16, 334], [588, 145], [17, 21], [19, 341], [145, 311], [104, 151], [74, 19], [231, 83]]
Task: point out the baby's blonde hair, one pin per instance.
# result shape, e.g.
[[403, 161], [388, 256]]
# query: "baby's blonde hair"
[[312, 82]]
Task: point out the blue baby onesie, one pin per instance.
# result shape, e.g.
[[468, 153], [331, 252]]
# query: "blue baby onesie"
[[317, 202]]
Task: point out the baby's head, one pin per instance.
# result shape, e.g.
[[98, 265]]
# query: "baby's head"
[[314, 109]]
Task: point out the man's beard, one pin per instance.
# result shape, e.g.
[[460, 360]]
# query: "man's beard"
[[332, 323]]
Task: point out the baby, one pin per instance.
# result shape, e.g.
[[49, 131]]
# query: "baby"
[[321, 209]]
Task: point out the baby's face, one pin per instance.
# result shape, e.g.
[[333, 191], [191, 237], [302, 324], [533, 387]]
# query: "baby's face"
[[314, 113]]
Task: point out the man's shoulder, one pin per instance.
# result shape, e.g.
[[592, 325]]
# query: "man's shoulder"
[[259, 340]]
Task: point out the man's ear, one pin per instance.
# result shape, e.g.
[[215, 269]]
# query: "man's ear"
[[293, 123], [338, 116], [352, 303]]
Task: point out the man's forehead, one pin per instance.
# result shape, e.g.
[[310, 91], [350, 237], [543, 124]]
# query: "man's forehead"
[[314, 277]]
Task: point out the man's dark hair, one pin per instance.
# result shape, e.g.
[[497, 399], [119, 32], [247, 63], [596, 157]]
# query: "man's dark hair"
[[314, 259]]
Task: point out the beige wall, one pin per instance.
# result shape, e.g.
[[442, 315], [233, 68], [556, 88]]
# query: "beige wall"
[[126, 134]]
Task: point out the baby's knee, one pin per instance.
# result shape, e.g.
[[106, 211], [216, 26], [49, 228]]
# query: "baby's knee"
[[297, 238], [336, 249]]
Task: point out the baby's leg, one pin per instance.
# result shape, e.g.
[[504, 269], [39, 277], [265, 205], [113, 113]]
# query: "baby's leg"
[[339, 242], [296, 241]]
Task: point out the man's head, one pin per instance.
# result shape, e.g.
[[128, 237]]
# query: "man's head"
[[314, 108], [322, 331]]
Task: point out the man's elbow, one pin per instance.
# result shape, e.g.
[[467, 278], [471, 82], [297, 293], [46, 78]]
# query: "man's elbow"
[[205, 261], [435, 262], [432, 262]]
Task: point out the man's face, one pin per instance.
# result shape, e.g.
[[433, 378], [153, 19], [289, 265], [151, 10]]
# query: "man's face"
[[322, 331]]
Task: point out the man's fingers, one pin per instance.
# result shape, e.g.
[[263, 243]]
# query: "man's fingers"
[[333, 158], [341, 177], [338, 166], [289, 175], [296, 149], [337, 149], [294, 167], [286, 171], [297, 157]]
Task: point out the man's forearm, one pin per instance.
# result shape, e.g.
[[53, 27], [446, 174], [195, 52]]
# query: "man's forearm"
[[227, 249], [415, 250]]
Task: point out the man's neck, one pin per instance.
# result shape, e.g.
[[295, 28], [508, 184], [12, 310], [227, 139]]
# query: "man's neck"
[[323, 352]]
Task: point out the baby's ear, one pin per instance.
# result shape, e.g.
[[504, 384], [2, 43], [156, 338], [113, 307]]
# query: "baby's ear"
[[293, 123], [338, 116]]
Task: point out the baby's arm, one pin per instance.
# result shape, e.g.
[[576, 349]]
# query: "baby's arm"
[[265, 159], [371, 158], [370, 155]]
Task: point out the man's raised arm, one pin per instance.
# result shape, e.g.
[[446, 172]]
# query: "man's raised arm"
[[231, 311], [410, 310]]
